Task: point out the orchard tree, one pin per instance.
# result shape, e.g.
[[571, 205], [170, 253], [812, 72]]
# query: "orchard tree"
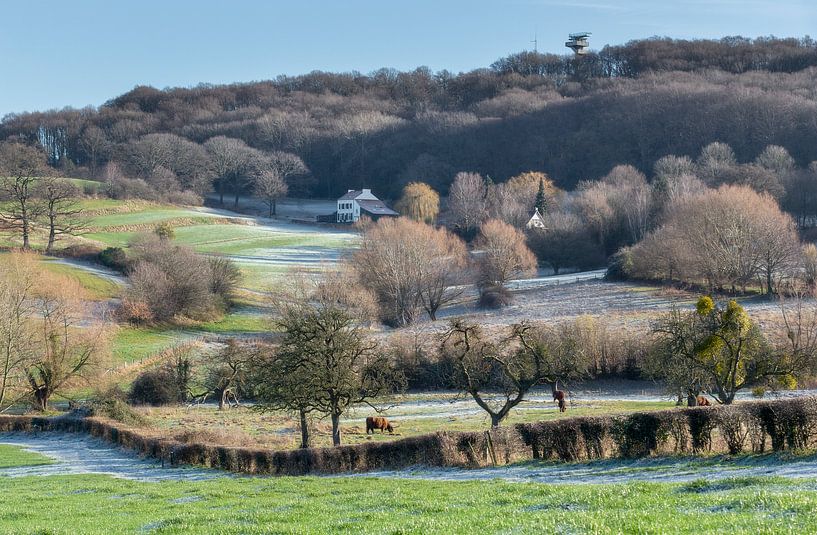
[[512, 365], [324, 363], [719, 349]]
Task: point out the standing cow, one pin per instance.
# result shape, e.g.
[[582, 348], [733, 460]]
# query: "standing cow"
[[559, 395], [378, 422]]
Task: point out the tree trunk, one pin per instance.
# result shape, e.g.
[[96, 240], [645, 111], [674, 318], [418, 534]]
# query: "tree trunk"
[[221, 192], [237, 195], [222, 399], [41, 397], [26, 244], [769, 282], [495, 420], [52, 237], [304, 430], [274, 207], [692, 400], [335, 429]]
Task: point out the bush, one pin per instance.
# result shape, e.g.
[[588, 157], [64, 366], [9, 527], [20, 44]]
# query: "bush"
[[114, 258], [154, 387], [114, 406], [495, 297], [186, 198], [641, 434], [172, 281]]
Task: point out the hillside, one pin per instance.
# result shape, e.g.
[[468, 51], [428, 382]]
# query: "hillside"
[[572, 118]]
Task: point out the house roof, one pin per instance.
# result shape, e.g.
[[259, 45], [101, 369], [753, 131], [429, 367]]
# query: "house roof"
[[376, 207], [351, 194]]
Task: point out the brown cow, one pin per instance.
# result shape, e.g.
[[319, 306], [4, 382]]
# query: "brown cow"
[[702, 401], [559, 396], [378, 422]]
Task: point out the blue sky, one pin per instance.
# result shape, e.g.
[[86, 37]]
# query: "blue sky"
[[83, 52]]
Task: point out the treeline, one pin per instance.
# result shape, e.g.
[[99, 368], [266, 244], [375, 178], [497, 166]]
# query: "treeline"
[[572, 118]]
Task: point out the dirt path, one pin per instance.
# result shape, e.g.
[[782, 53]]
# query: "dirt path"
[[81, 454]]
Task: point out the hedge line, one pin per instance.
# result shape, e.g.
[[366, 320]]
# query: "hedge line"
[[752, 426]]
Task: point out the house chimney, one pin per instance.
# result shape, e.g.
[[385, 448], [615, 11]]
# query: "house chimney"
[[367, 191]]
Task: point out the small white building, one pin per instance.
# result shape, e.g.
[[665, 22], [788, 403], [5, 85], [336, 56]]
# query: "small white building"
[[536, 220], [356, 203]]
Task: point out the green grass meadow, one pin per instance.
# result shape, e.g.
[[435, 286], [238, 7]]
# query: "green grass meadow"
[[101, 504], [12, 456]]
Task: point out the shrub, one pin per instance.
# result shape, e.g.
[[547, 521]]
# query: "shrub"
[[702, 422], [155, 387], [641, 434], [165, 231], [173, 281], [116, 408], [495, 297], [114, 258]]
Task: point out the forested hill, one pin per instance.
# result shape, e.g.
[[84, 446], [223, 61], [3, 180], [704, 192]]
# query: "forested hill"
[[574, 118]]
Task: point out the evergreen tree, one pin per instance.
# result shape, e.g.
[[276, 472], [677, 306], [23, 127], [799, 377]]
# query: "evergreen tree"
[[541, 197]]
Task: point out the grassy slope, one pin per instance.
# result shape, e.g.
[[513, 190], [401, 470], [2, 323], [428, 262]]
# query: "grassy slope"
[[100, 504], [11, 456], [98, 287]]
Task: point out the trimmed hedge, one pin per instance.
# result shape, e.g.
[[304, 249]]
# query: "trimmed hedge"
[[784, 425]]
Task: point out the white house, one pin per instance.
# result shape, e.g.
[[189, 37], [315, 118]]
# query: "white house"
[[536, 220], [361, 202]]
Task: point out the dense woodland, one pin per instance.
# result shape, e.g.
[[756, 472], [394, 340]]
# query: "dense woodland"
[[574, 118]]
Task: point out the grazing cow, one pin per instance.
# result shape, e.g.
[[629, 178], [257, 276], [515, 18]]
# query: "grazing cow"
[[702, 401], [559, 396], [378, 422]]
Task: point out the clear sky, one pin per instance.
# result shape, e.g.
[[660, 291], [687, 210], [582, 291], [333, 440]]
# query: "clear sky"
[[56, 53]]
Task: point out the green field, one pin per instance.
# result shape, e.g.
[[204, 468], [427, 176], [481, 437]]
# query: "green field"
[[101, 504], [132, 344], [11, 456]]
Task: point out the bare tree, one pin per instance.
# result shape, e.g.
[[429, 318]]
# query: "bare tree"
[[502, 255], [408, 265], [289, 167], [270, 186], [526, 357], [17, 307], [60, 209], [21, 165], [69, 347], [233, 163], [468, 202]]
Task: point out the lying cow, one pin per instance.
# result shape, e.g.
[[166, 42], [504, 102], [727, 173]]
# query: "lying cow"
[[378, 422], [559, 396], [702, 401]]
